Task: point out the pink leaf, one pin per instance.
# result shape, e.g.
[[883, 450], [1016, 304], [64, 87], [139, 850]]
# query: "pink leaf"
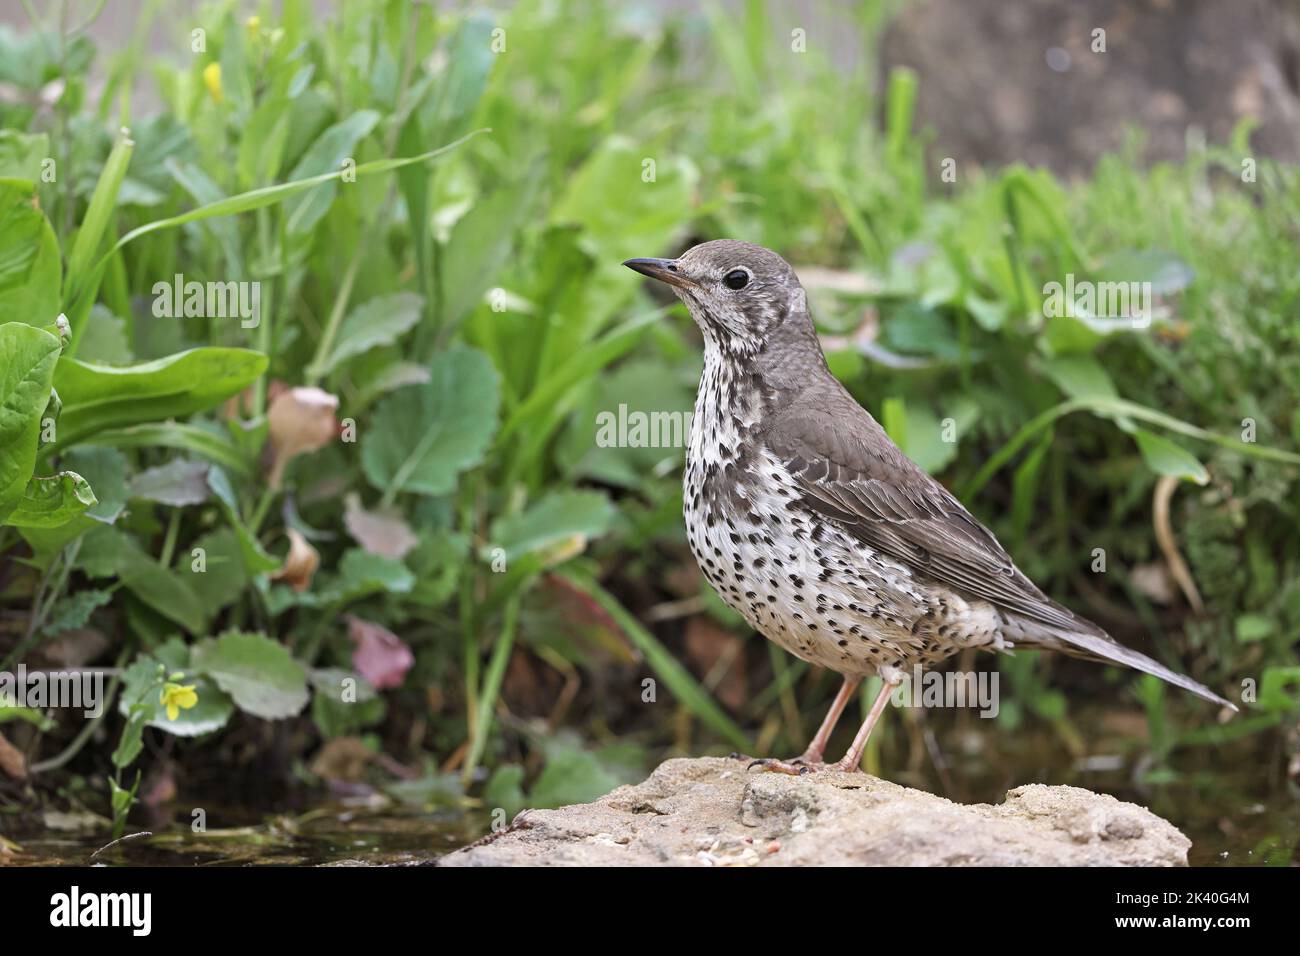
[[384, 533], [380, 656]]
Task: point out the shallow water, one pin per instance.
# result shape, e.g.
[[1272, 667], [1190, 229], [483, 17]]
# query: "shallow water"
[[328, 836], [1233, 803], [1224, 832]]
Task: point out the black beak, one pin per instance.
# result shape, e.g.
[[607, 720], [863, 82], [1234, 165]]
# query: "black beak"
[[663, 269]]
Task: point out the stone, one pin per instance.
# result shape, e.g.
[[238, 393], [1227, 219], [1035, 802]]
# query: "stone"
[[712, 811]]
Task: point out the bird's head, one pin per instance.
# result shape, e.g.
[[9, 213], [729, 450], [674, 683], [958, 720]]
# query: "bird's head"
[[738, 293]]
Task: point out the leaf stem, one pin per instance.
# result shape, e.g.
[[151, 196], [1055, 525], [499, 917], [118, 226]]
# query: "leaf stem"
[[492, 686]]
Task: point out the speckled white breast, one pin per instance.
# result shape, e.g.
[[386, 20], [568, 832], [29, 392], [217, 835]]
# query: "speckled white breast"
[[802, 581]]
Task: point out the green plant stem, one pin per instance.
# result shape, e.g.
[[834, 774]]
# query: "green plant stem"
[[492, 687], [468, 625], [169, 542], [311, 647], [264, 337], [316, 370], [1112, 407], [260, 509], [45, 598]]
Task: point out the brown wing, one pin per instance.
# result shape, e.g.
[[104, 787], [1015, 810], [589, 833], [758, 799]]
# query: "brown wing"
[[849, 471]]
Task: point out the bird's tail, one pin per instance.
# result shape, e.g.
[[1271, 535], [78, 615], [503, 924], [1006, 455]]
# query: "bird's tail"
[[1099, 646]]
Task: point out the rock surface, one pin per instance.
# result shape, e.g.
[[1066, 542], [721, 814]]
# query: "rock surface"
[[711, 811]]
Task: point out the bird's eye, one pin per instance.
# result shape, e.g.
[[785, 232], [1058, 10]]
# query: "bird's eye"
[[736, 279]]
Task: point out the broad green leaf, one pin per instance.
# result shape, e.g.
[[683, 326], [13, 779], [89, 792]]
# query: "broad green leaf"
[[326, 155], [480, 243], [51, 502], [101, 551], [27, 359], [423, 436], [927, 440], [623, 216], [505, 789], [1068, 335], [160, 588], [1166, 458], [1080, 376], [177, 483], [555, 521], [30, 268], [142, 684], [381, 321], [99, 397], [105, 338], [466, 66], [918, 431], [216, 448], [213, 567], [258, 673], [572, 775], [362, 573]]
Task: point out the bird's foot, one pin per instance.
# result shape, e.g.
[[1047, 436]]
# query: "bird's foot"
[[796, 767], [772, 765]]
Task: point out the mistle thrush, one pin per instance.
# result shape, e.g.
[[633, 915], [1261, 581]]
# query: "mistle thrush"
[[810, 522]]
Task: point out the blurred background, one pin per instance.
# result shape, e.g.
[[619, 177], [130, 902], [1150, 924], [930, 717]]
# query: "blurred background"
[[409, 550]]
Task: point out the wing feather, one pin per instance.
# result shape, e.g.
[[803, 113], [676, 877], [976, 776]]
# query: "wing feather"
[[895, 508]]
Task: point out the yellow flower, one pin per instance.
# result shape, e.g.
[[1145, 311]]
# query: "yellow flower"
[[212, 80], [177, 697]]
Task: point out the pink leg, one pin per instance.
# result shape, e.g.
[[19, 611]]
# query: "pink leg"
[[852, 759], [816, 749]]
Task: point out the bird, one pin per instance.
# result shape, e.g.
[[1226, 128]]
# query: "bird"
[[810, 522]]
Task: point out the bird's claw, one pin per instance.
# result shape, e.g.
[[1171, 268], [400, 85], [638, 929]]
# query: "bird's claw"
[[795, 768]]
